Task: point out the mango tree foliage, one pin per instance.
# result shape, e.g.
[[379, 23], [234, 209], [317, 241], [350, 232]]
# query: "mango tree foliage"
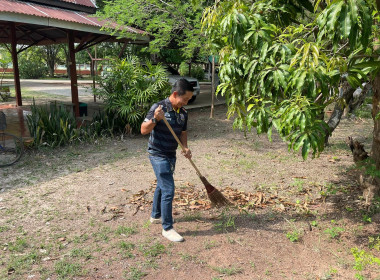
[[170, 23], [282, 62]]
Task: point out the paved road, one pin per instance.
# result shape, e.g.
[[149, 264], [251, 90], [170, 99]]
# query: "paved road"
[[63, 88], [16, 117], [57, 87]]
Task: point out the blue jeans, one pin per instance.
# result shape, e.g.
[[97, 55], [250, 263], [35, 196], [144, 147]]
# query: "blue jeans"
[[163, 196]]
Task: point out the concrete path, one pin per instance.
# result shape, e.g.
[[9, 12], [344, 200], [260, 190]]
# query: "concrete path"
[[62, 87], [16, 116], [55, 87]]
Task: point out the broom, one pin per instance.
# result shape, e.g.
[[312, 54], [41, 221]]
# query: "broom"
[[215, 196]]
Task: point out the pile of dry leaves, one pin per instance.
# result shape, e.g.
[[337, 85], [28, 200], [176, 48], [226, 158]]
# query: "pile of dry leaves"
[[189, 197]]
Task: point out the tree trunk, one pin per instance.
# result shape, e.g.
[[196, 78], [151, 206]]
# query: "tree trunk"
[[51, 66], [376, 120], [345, 92], [67, 55], [51, 53], [212, 87], [346, 95], [376, 129]]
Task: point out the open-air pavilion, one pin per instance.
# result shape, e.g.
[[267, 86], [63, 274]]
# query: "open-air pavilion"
[[46, 22]]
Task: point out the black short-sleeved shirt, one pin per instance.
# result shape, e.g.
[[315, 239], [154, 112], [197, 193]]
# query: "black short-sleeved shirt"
[[161, 141]]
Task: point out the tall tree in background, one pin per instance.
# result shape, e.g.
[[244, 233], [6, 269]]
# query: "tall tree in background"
[[171, 23], [52, 54]]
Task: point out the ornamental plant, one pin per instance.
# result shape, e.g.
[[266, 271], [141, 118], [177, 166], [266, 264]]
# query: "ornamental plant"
[[130, 88]]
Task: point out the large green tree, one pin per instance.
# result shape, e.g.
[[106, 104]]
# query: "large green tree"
[[283, 62], [170, 23], [52, 54]]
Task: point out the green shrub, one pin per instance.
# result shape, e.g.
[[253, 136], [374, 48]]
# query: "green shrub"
[[362, 260], [53, 125], [196, 71], [334, 232], [129, 89], [106, 123], [32, 68]]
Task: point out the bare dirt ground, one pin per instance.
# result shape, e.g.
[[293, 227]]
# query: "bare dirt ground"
[[81, 212]]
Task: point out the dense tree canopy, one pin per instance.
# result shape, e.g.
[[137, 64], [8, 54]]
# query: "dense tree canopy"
[[282, 62], [172, 23]]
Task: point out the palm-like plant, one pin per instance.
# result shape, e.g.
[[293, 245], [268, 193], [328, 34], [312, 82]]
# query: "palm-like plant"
[[130, 88]]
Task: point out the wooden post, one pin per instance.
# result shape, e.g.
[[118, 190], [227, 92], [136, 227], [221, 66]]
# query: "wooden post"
[[16, 73], [73, 74], [93, 77], [20, 114], [95, 65], [212, 87]]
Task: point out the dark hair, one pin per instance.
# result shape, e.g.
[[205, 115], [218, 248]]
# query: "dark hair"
[[181, 86]]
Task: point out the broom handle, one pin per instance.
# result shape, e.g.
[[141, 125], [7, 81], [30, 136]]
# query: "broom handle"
[[180, 144]]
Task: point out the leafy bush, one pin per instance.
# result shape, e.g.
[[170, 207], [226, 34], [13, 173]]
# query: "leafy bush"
[[53, 125], [32, 68], [362, 260], [106, 123], [196, 71], [5, 60], [129, 89]]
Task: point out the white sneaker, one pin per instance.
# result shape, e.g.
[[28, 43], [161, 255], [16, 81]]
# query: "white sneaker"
[[172, 235], [155, 221]]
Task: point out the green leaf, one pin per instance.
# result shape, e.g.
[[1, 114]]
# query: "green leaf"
[[264, 51], [353, 70], [354, 35], [333, 15], [353, 11], [306, 49], [302, 122], [345, 22], [305, 148], [301, 80], [373, 64], [281, 78], [353, 81], [366, 25], [299, 142], [275, 80]]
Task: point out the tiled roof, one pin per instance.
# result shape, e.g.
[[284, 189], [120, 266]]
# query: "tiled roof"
[[88, 3], [32, 9]]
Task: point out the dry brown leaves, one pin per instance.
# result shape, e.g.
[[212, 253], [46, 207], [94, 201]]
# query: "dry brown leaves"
[[190, 197]]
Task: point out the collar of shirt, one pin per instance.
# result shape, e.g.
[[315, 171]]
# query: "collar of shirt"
[[169, 106]]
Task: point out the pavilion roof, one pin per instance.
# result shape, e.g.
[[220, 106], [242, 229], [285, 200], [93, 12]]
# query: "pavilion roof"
[[29, 15], [89, 3]]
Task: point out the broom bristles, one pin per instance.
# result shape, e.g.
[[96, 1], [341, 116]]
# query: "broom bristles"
[[215, 196], [218, 199]]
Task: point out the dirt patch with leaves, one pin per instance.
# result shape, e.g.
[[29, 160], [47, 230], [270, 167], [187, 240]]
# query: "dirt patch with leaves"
[[82, 212]]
